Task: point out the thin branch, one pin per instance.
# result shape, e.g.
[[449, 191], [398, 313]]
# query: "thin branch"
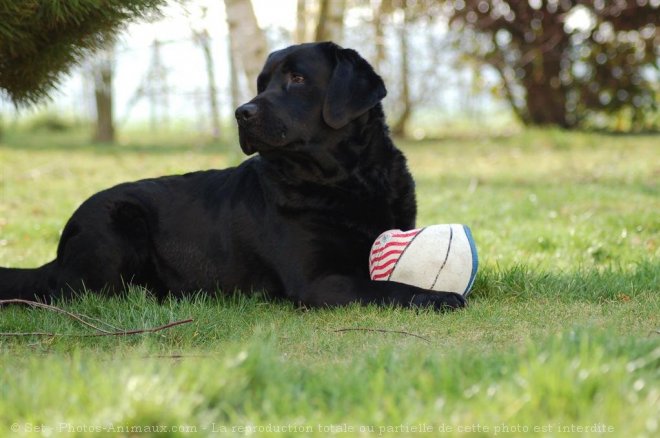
[[37, 304], [381, 331], [80, 319], [146, 330], [508, 92], [5, 334], [178, 356]]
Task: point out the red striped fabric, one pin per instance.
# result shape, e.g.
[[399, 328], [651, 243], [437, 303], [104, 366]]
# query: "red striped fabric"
[[386, 251]]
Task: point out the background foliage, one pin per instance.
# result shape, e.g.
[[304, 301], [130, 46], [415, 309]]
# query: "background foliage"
[[555, 72]]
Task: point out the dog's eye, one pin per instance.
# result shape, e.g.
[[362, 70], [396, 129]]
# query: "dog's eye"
[[297, 78]]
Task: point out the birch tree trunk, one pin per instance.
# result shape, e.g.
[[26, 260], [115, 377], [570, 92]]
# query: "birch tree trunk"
[[330, 25], [399, 128], [248, 42]]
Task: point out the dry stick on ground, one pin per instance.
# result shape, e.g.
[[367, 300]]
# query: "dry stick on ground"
[[382, 331], [80, 319]]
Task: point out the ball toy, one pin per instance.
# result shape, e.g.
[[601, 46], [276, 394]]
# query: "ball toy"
[[437, 257]]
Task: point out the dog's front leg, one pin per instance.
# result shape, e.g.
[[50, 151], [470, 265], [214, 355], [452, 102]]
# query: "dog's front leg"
[[338, 290]]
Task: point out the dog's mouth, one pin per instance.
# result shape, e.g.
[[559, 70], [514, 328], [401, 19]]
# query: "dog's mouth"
[[247, 142], [253, 139]]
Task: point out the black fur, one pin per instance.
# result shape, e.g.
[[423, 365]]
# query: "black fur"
[[297, 220]]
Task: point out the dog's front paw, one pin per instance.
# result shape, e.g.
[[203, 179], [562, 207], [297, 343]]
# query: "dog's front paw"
[[439, 300]]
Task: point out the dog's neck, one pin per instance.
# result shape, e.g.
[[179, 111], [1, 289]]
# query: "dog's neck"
[[353, 153]]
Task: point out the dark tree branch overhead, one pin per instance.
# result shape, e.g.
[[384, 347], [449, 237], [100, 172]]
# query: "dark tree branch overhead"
[[41, 40]]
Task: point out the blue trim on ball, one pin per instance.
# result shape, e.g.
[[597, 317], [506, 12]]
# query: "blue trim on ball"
[[475, 260]]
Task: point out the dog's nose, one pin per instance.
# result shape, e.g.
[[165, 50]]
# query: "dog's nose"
[[246, 112]]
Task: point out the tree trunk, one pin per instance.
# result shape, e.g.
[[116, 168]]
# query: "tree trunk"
[[105, 128], [234, 84], [546, 105], [205, 43], [248, 42], [379, 34], [399, 128], [545, 95], [330, 25], [540, 61], [156, 88], [301, 21]]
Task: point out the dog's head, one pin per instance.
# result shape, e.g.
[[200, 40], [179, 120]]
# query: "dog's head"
[[306, 92]]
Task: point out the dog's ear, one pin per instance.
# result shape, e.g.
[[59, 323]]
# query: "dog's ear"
[[354, 89]]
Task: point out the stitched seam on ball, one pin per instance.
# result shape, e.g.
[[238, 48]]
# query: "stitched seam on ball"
[[451, 236], [404, 252]]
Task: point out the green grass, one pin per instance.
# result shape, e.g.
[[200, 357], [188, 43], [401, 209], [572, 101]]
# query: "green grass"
[[562, 331]]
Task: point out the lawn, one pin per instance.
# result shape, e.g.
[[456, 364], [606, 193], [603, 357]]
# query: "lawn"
[[562, 332]]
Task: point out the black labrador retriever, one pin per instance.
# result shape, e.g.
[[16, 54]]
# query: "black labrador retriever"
[[297, 220]]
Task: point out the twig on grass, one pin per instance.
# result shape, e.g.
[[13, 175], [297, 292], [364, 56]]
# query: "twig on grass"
[[400, 332], [178, 356], [81, 319], [37, 304]]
